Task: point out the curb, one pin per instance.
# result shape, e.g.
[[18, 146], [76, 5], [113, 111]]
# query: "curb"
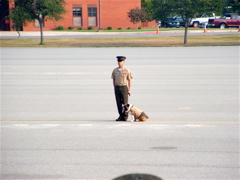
[[59, 33]]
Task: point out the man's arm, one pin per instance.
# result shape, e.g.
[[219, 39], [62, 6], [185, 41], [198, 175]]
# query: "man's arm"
[[129, 85], [113, 82]]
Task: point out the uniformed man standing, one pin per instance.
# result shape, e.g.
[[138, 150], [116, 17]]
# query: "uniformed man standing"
[[122, 82]]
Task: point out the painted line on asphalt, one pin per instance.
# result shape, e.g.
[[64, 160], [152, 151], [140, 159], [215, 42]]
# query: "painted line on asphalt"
[[124, 125], [50, 125], [195, 122], [170, 122], [21, 125], [107, 67], [83, 125]]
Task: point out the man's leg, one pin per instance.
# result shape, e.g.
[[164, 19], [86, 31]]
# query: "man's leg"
[[118, 101], [124, 93]]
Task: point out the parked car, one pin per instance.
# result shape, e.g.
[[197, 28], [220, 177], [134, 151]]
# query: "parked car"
[[180, 20], [228, 20], [201, 19], [170, 22], [203, 25]]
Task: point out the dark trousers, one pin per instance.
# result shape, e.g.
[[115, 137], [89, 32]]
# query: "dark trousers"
[[121, 94]]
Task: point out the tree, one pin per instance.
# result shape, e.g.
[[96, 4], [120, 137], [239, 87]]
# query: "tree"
[[147, 6], [40, 10], [186, 8], [19, 18], [233, 6], [137, 15]]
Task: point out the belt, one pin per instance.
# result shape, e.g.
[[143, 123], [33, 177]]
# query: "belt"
[[120, 86]]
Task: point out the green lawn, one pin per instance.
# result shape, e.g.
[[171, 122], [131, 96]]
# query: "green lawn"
[[161, 41]]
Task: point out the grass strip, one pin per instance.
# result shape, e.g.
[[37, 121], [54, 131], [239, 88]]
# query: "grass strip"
[[177, 41]]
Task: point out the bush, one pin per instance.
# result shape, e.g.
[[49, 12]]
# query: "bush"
[[70, 28], [60, 28], [120, 28], [109, 28], [80, 28], [129, 28], [139, 27], [90, 28]]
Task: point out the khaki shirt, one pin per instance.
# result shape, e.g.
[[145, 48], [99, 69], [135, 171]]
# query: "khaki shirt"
[[121, 76]]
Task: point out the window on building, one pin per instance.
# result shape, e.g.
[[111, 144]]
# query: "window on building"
[[36, 23], [77, 16], [92, 16]]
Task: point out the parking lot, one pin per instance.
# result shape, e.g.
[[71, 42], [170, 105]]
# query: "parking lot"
[[58, 113]]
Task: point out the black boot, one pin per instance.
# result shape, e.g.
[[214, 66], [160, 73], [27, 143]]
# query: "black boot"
[[124, 116], [120, 118]]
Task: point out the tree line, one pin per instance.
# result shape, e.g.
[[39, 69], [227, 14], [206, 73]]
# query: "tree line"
[[159, 9]]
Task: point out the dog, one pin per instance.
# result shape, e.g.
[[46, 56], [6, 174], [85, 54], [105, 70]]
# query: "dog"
[[134, 112]]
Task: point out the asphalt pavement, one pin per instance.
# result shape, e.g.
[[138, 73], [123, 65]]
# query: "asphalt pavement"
[[58, 113]]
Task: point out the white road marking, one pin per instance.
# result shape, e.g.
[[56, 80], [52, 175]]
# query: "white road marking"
[[51, 125], [123, 125], [132, 125], [193, 125], [83, 125], [21, 125]]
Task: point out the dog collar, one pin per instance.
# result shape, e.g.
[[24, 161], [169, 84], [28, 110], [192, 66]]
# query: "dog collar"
[[130, 106]]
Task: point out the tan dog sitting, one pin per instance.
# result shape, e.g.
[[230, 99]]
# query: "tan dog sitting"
[[134, 112]]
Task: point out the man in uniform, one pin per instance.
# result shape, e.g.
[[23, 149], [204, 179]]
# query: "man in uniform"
[[122, 82]]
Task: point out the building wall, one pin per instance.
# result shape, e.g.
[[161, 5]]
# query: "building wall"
[[114, 13], [111, 13]]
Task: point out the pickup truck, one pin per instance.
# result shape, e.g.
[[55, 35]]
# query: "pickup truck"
[[200, 19], [228, 20]]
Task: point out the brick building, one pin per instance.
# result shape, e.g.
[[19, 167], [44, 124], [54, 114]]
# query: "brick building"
[[99, 14]]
